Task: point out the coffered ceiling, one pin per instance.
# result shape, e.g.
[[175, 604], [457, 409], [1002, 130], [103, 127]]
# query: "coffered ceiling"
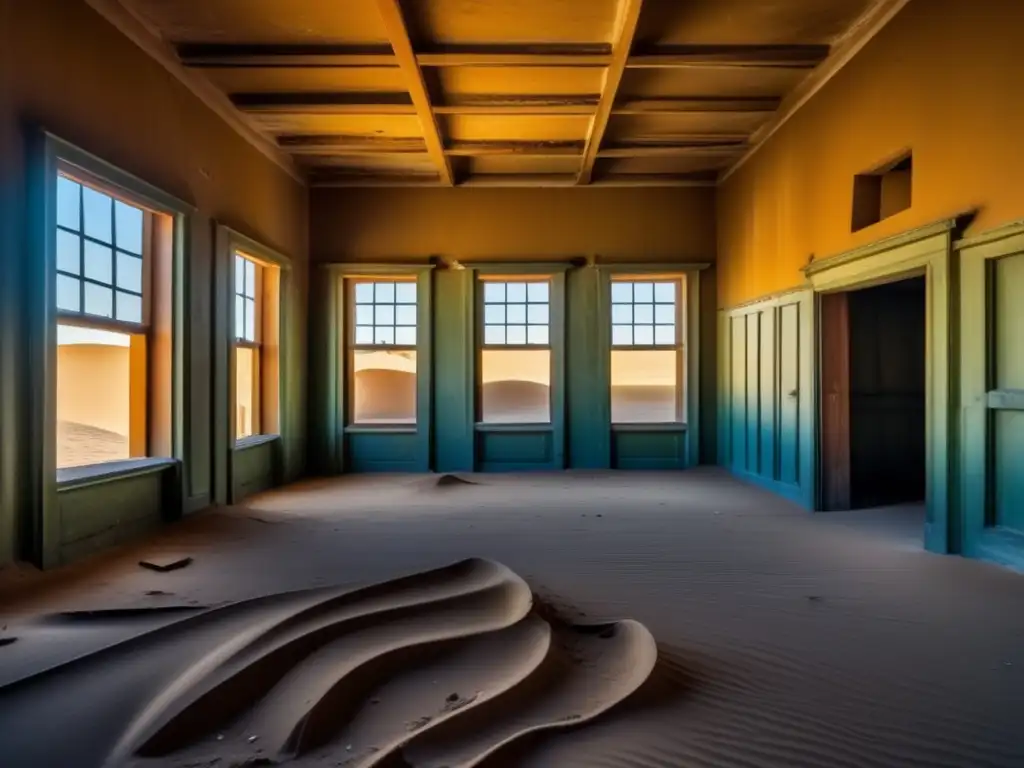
[[508, 92]]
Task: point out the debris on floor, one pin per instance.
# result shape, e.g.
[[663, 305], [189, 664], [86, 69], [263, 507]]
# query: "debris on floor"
[[165, 563]]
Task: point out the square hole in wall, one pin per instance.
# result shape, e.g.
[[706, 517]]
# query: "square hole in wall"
[[883, 192]]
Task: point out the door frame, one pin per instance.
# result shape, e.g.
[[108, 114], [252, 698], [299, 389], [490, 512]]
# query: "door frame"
[[980, 398], [926, 251]]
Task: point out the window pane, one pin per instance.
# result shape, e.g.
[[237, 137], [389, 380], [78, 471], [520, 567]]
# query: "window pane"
[[515, 334], [385, 293], [494, 334], [515, 313], [405, 293], [246, 391], [643, 292], [364, 314], [239, 275], [643, 313], [99, 300], [537, 334], [405, 315], [515, 292], [622, 314], [364, 293], [537, 292], [383, 335], [98, 262], [385, 314], [69, 213], [622, 292], [364, 334], [68, 252], [239, 317], [405, 335], [643, 386], [665, 334], [665, 313], [68, 294], [250, 320], [250, 279], [537, 314], [622, 334], [384, 390], [129, 272], [494, 313], [128, 219], [129, 307], [97, 208], [494, 292], [643, 334], [515, 386], [665, 292], [93, 397]]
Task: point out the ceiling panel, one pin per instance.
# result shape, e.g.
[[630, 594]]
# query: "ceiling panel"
[[353, 22], [307, 80], [659, 165], [636, 127], [735, 22], [517, 127], [390, 164], [467, 81], [448, 22], [349, 125], [511, 164], [726, 82]]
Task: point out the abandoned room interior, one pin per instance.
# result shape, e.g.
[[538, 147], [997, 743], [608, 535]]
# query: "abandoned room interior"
[[421, 383]]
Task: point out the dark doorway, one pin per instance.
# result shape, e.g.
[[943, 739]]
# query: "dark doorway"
[[873, 396]]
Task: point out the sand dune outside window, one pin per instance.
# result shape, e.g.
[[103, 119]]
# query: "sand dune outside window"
[[515, 355], [647, 351], [383, 351]]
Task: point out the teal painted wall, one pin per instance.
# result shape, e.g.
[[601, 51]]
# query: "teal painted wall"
[[766, 394]]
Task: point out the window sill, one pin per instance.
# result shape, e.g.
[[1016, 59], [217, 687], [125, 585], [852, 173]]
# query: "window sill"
[[482, 426], [254, 441], [652, 427], [96, 474], [381, 429]]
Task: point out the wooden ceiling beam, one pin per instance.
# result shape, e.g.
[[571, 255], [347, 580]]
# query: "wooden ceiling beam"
[[296, 103], [509, 180], [515, 148], [517, 56], [730, 57], [350, 145], [627, 19], [521, 105], [673, 150], [398, 35], [685, 106], [273, 55]]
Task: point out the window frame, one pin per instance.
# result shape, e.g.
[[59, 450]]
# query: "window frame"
[[255, 344], [44, 482], [352, 346], [680, 282], [482, 278]]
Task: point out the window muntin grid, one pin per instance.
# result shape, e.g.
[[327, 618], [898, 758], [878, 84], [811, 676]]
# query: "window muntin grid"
[[645, 313], [246, 278], [516, 313], [99, 254], [384, 313]]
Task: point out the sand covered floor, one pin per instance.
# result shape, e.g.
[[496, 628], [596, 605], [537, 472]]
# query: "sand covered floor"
[[609, 620]]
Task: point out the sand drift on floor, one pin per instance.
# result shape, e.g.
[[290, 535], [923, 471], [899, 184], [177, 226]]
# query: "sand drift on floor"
[[451, 667]]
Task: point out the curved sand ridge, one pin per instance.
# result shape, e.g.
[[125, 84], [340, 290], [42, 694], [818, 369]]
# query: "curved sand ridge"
[[450, 667]]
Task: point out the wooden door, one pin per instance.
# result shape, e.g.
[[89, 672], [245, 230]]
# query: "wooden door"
[[834, 355]]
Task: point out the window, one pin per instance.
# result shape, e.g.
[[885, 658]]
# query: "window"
[[248, 284], [647, 353], [515, 357], [383, 351], [102, 297]]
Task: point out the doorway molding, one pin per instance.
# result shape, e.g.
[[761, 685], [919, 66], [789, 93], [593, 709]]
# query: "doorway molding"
[[926, 251]]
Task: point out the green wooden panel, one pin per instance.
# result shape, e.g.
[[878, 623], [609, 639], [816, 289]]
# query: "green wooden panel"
[[453, 367], [1008, 278], [380, 451], [1007, 460], [753, 382], [587, 370], [254, 469], [789, 394], [515, 451], [649, 450], [767, 393], [738, 394]]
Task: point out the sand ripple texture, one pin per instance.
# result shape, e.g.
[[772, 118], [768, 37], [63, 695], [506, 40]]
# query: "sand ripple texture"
[[453, 667]]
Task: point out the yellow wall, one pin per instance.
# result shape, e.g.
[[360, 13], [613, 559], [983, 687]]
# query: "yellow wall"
[[942, 79], [654, 224], [64, 68]]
